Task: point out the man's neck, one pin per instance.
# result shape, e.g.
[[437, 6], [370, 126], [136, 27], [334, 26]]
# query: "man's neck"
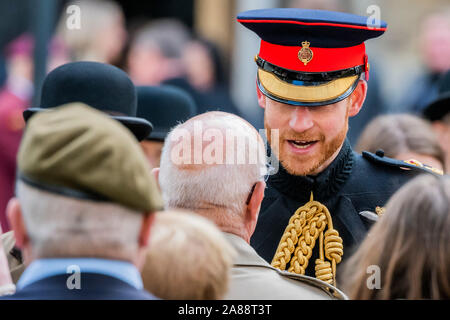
[[327, 162], [226, 222]]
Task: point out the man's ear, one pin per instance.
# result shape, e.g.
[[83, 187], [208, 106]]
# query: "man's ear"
[[15, 217], [261, 98], [144, 234], [155, 173], [357, 98], [254, 205]]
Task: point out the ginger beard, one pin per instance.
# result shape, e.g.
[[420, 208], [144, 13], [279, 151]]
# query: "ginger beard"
[[302, 165]]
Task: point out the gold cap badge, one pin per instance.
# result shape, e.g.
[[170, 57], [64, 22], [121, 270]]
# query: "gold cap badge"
[[305, 54]]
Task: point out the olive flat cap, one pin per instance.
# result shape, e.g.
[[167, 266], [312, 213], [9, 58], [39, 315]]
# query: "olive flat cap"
[[77, 151]]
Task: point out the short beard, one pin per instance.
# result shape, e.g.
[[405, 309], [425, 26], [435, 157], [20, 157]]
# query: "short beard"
[[305, 169]]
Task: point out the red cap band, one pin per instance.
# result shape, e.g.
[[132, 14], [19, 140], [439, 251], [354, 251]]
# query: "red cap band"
[[323, 59]]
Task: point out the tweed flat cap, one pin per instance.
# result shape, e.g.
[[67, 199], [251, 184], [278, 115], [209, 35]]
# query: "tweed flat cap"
[[77, 151]]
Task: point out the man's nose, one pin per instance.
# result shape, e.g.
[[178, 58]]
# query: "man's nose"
[[301, 119]]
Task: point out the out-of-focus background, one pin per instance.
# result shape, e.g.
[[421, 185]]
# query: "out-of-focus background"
[[199, 46]]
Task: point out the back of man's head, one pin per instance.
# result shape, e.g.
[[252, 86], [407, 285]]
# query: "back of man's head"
[[214, 164], [84, 187]]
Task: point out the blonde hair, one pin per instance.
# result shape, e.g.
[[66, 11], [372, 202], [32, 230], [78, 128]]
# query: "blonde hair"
[[400, 133], [410, 244], [188, 258]]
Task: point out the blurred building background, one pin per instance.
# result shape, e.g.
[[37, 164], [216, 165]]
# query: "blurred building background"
[[199, 46]]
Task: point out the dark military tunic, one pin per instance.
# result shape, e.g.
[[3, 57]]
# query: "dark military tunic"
[[352, 183]]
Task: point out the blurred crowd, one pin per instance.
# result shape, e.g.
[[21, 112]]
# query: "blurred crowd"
[[199, 247]]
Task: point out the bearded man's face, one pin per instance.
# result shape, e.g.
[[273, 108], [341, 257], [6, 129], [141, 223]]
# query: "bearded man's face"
[[309, 137]]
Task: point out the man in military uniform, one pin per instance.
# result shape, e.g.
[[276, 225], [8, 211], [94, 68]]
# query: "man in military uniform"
[[229, 193], [312, 76]]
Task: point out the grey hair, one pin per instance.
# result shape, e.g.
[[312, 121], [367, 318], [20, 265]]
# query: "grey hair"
[[168, 35], [63, 226]]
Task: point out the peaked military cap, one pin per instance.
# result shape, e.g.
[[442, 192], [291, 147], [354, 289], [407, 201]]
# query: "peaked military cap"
[[310, 57], [99, 85], [79, 152], [165, 106], [440, 107]]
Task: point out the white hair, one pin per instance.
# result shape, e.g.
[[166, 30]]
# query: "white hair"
[[188, 258], [225, 185], [63, 226]]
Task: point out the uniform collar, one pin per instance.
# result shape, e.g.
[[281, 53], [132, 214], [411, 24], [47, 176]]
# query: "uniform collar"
[[323, 185], [44, 268]]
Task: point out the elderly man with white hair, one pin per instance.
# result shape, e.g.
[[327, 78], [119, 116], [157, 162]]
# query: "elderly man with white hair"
[[214, 164]]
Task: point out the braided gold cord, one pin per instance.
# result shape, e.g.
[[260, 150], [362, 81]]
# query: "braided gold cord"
[[296, 246]]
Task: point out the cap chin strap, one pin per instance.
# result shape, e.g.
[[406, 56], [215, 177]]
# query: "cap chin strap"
[[299, 238]]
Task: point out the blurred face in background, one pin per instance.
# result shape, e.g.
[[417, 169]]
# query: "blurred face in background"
[[146, 65], [199, 66], [435, 42], [152, 150]]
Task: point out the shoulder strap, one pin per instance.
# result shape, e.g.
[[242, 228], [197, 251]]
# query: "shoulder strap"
[[411, 164]]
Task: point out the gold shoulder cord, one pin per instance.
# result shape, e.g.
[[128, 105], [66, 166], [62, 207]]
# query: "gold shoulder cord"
[[305, 226]]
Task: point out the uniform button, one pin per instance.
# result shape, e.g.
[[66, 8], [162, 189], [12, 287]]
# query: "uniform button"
[[380, 153]]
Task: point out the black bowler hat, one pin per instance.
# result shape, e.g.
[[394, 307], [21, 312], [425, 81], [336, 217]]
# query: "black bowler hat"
[[99, 85], [165, 106], [440, 107]]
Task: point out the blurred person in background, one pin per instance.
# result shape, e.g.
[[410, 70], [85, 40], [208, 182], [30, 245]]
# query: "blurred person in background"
[[206, 75], [188, 258], [77, 209], [403, 137], [15, 97], [155, 52], [410, 245], [434, 45], [228, 190], [102, 34], [309, 89], [165, 107], [375, 103], [438, 112]]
